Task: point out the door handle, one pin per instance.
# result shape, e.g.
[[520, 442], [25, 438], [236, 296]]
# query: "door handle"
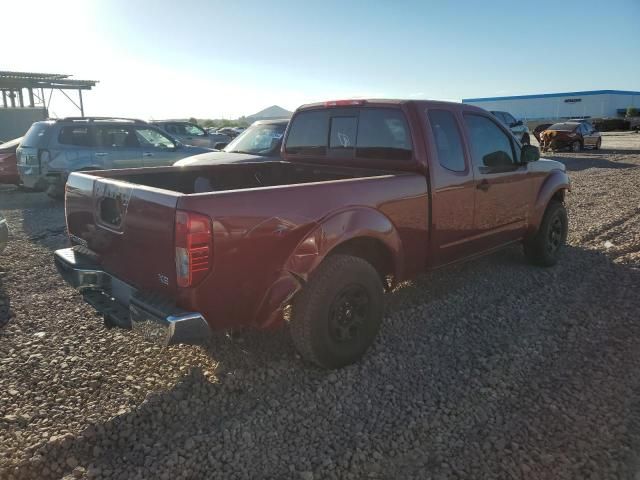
[[483, 185], [101, 154], [147, 154]]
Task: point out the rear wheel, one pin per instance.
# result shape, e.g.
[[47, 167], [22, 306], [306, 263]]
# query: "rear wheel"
[[544, 247], [337, 315], [576, 146]]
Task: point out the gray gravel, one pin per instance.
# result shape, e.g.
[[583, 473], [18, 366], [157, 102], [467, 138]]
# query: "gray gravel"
[[492, 369]]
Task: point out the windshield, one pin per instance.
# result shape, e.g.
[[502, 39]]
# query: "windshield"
[[262, 139], [563, 127]]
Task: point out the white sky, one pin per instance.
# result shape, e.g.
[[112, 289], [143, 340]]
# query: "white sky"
[[80, 44]]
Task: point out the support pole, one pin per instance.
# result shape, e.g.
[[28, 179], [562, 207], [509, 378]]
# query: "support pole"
[[31, 101], [81, 104], [12, 97], [4, 98], [20, 99]]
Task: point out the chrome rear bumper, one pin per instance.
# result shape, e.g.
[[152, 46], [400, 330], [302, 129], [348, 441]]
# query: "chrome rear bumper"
[[156, 319]]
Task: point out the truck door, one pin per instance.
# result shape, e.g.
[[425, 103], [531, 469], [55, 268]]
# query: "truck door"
[[503, 190], [452, 188]]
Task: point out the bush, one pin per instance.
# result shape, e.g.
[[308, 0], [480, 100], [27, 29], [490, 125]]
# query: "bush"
[[632, 112], [611, 124]]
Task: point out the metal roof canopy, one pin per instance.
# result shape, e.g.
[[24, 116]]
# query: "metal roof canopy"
[[13, 83]]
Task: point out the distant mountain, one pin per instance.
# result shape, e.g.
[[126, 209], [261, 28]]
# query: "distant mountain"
[[268, 113]]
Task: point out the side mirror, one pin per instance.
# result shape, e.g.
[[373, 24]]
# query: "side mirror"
[[220, 145], [529, 153], [517, 123]]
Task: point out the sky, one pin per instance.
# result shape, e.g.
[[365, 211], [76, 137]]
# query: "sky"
[[223, 59]]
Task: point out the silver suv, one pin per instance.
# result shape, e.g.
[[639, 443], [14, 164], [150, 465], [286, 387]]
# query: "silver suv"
[[54, 148], [517, 127], [192, 134]]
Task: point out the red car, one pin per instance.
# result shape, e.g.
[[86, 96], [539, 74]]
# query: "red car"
[[572, 135], [371, 193], [8, 162]]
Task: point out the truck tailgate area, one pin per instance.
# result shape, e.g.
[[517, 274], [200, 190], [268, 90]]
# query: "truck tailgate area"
[[129, 229]]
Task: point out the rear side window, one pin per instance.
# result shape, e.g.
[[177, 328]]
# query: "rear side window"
[[309, 133], [448, 140], [116, 137], [79, 136], [490, 146], [36, 135], [383, 134]]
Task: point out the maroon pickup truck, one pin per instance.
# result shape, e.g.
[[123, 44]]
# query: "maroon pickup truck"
[[370, 193]]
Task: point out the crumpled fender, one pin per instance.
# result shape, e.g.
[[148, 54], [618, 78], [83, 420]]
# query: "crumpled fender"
[[310, 252], [555, 181]]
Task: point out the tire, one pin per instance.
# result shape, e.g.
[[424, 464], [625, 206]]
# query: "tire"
[[56, 192], [526, 140], [576, 146], [598, 144], [544, 247], [325, 327]]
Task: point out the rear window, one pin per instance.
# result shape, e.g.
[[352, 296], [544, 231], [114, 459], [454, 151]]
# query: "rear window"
[[371, 133], [36, 135], [309, 132], [563, 127], [79, 136], [383, 134]]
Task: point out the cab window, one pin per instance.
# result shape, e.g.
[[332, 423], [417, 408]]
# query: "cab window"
[[490, 145], [448, 140]]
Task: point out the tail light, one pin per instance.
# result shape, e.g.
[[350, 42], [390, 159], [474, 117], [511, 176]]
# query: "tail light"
[[344, 103], [194, 248]]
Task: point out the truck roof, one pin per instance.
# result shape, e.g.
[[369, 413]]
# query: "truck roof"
[[381, 102]]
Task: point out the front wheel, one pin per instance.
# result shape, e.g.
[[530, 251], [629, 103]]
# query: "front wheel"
[[576, 146], [525, 140], [337, 315], [598, 144], [544, 247]]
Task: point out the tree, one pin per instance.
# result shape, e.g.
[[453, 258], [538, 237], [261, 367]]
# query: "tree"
[[632, 112], [193, 120]]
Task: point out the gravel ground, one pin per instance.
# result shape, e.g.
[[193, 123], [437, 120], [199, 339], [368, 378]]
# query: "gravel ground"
[[493, 369]]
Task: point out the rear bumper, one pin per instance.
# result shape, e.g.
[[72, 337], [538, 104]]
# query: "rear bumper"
[[155, 318], [31, 177]]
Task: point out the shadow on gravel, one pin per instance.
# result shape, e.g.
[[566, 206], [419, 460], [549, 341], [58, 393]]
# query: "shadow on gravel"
[[598, 159], [5, 304], [532, 368], [43, 219]]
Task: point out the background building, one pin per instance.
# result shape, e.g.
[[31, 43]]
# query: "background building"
[[25, 98], [594, 104]]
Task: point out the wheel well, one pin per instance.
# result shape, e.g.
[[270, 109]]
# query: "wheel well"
[[373, 251], [559, 196]]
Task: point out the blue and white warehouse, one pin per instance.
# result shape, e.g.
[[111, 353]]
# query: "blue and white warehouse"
[[593, 104]]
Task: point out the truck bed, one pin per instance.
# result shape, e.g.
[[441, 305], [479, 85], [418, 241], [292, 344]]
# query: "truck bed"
[[260, 212], [224, 177]]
